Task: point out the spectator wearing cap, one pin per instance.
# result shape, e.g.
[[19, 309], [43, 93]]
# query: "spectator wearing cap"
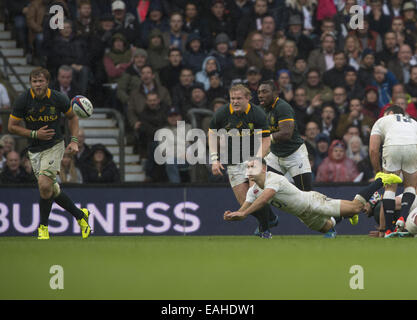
[[411, 86], [335, 77], [217, 90], [221, 51], [219, 22], [130, 79], [322, 58], [400, 67], [210, 64], [366, 68], [118, 59], [409, 12], [305, 10], [321, 151], [157, 50], [175, 37], [299, 71], [379, 21], [315, 89], [194, 54], [251, 21], [176, 166], [295, 32], [389, 50], [254, 49], [99, 166], [155, 19], [367, 38], [352, 86], [198, 100], [285, 90], [237, 73], [170, 74], [336, 167], [370, 102], [253, 79], [126, 23], [137, 98]]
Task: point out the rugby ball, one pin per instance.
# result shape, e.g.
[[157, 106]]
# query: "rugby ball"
[[81, 106]]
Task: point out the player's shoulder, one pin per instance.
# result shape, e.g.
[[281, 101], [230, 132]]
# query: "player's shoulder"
[[273, 177], [22, 99], [224, 110], [283, 106]]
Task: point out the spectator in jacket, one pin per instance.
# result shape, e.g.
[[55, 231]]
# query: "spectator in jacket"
[[237, 73], [13, 172], [210, 64], [181, 92], [411, 86], [337, 167], [251, 21], [314, 86], [219, 22], [400, 67], [335, 77], [83, 149], [322, 58], [100, 167], [64, 82], [194, 54], [127, 24], [175, 37], [384, 80], [221, 51], [169, 75], [155, 19], [118, 59], [157, 50]]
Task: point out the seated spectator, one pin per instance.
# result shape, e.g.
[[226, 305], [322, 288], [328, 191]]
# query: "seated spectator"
[[379, 20], [289, 52], [251, 21], [217, 90], [351, 131], [353, 51], [237, 73], [321, 151], [335, 77], [253, 79], [13, 172], [157, 50], [127, 24], [370, 102], [356, 151], [64, 82], [268, 31], [221, 51], [409, 12], [398, 91], [175, 37], [366, 69], [255, 51], [398, 26], [284, 85], [209, 65], [368, 38], [357, 118], [400, 67], [35, 13], [389, 50], [384, 80], [155, 19], [69, 173], [352, 86], [299, 72], [194, 54], [137, 99], [328, 121], [269, 66], [337, 167], [312, 130], [193, 22], [8, 142], [99, 166], [176, 167], [340, 101], [300, 106], [218, 21], [118, 59], [296, 33], [181, 92], [86, 24], [198, 101], [170, 75], [83, 149], [411, 86], [214, 106], [314, 86], [322, 58], [130, 79]]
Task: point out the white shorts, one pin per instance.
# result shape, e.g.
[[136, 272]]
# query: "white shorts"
[[48, 162], [237, 174], [320, 211], [395, 158], [410, 224], [296, 163]]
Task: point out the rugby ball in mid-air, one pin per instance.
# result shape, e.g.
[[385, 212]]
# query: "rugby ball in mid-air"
[[81, 106]]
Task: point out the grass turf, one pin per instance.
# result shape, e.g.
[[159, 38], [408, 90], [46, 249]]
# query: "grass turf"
[[285, 267]]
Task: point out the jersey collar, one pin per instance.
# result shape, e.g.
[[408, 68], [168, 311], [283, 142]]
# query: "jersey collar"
[[275, 103], [246, 111], [48, 93]]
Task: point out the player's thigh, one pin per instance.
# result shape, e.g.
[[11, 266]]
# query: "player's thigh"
[[50, 161], [320, 204], [272, 161], [409, 179], [297, 163], [393, 158], [237, 174], [35, 161]]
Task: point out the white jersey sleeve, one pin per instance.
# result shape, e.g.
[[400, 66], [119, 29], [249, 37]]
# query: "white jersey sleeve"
[[250, 195]]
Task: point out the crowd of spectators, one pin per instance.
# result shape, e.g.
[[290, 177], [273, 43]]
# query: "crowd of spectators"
[[156, 60]]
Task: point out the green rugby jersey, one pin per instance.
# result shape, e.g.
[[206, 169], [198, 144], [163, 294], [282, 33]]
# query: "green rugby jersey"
[[253, 118], [281, 111], [41, 112]]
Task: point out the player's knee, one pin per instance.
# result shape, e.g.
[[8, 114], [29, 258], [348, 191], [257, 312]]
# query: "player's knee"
[[45, 187]]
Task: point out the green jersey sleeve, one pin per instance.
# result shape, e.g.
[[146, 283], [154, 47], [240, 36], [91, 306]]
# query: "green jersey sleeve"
[[261, 122], [63, 103], [284, 112], [19, 108]]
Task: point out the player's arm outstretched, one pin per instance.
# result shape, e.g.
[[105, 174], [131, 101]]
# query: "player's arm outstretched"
[[246, 210], [73, 125], [216, 166]]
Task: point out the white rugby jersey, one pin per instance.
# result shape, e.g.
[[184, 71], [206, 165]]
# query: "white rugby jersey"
[[287, 198], [396, 130]]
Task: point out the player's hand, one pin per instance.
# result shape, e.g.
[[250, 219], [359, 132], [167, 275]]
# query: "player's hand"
[[45, 134], [225, 214], [376, 234], [234, 216], [216, 168], [72, 148]]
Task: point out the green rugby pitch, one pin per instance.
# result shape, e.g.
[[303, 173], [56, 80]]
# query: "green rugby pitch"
[[217, 267]]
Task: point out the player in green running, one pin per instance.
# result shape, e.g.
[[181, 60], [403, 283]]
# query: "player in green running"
[[40, 109], [242, 126]]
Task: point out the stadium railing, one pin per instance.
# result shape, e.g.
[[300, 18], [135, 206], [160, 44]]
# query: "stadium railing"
[[7, 66]]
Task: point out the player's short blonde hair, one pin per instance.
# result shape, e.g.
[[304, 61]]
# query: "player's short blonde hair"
[[242, 88]]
